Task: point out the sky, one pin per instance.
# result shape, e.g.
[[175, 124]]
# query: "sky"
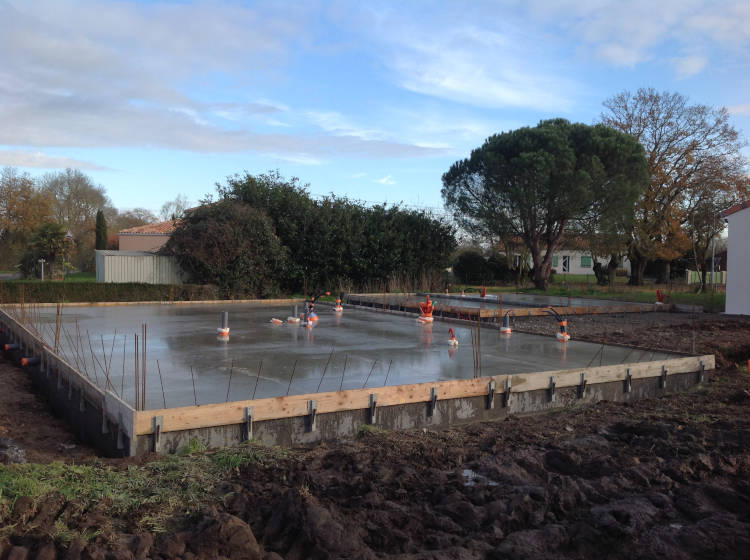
[[370, 100]]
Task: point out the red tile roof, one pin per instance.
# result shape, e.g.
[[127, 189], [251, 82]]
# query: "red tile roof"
[[161, 228], [736, 208]]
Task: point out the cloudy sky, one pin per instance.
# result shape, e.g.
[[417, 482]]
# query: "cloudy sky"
[[373, 100]]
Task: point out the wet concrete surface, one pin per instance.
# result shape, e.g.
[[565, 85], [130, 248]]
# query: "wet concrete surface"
[[351, 350]]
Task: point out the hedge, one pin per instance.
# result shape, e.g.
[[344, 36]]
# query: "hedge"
[[71, 292]]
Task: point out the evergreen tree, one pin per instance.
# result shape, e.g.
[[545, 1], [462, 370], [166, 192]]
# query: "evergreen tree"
[[101, 231]]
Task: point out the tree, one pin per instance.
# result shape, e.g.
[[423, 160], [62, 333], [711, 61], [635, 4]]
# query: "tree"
[[174, 208], [48, 243], [231, 245], [76, 201], [536, 183], [23, 208], [691, 149], [101, 231]]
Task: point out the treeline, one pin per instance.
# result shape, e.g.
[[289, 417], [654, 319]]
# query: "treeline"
[[267, 235], [54, 217]]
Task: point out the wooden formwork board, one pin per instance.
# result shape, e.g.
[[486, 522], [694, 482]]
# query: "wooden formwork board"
[[500, 311], [260, 302], [211, 415]]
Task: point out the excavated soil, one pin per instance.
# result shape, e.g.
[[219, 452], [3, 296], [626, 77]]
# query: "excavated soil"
[[664, 478]]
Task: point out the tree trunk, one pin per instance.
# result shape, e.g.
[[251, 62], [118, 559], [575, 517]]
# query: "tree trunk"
[[600, 273], [703, 278], [614, 262], [665, 272], [637, 267]]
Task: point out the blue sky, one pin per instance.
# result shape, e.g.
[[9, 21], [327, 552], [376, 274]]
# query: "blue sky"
[[372, 100]]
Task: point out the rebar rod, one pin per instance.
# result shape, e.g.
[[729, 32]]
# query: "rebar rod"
[[229, 385], [369, 374], [325, 369], [294, 368], [195, 394], [163, 397], [257, 377]]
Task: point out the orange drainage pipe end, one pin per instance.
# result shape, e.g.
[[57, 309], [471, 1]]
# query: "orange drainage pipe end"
[[29, 361]]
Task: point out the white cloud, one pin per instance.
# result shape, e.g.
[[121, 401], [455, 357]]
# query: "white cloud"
[[629, 33], [689, 65], [41, 160], [16, 158], [387, 180], [358, 175], [87, 73], [740, 109]]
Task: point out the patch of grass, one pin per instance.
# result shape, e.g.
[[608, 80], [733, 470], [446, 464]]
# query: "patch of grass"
[[145, 495], [194, 445], [368, 429]]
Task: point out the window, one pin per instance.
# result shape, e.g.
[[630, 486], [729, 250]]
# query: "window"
[[566, 263], [585, 261], [554, 261]]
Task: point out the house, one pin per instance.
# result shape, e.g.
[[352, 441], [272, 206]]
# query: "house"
[[573, 257], [738, 258], [150, 237]]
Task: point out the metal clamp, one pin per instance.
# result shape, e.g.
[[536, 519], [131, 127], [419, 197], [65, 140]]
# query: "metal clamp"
[[701, 372], [373, 407], [312, 413], [491, 394], [582, 386], [433, 401], [663, 378], [249, 413], [552, 389], [628, 381], [157, 425], [506, 394]]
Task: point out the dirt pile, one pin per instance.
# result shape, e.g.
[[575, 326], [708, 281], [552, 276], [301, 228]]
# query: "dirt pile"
[[658, 479]]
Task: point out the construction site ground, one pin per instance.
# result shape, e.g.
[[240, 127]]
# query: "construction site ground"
[[661, 478]]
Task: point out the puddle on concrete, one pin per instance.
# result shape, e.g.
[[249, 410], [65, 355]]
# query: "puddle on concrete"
[[352, 350]]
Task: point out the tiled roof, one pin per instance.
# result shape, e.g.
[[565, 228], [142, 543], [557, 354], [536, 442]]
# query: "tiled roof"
[[736, 208], [161, 228]]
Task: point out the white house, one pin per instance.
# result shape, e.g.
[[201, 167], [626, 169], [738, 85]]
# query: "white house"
[[738, 258]]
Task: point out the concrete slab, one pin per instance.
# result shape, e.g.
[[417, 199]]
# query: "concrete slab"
[[348, 350]]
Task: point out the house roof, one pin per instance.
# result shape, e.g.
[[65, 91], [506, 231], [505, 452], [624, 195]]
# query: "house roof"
[[160, 228], [736, 208]]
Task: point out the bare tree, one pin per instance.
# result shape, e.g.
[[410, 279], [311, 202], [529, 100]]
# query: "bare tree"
[[174, 208], [690, 148]]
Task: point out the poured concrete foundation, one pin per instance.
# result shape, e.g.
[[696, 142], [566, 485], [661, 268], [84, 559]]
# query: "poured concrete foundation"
[[98, 415]]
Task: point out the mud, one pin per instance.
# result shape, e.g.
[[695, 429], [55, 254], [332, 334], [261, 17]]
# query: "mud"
[[663, 478]]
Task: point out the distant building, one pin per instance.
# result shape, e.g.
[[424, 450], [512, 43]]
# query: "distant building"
[[573, 257], [738, 258], [150, 237]]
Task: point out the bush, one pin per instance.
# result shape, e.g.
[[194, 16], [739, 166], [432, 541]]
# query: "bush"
[[232, 245], [72, 292], [470, 267]]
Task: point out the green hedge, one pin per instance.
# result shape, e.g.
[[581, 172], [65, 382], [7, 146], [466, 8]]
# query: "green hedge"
[[50, 292]]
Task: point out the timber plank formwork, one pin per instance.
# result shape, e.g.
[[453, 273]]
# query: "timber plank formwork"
[[108, 422], [411, 305]]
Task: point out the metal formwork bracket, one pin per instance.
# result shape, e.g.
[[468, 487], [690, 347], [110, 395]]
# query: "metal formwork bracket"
[[491, 394], [506, 394], [433, 401], [249, 414], [157, 426], [312, 412], [373, 407], [582, 386], [663, 378], [628, 381], [552, 388], [701, 372]]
